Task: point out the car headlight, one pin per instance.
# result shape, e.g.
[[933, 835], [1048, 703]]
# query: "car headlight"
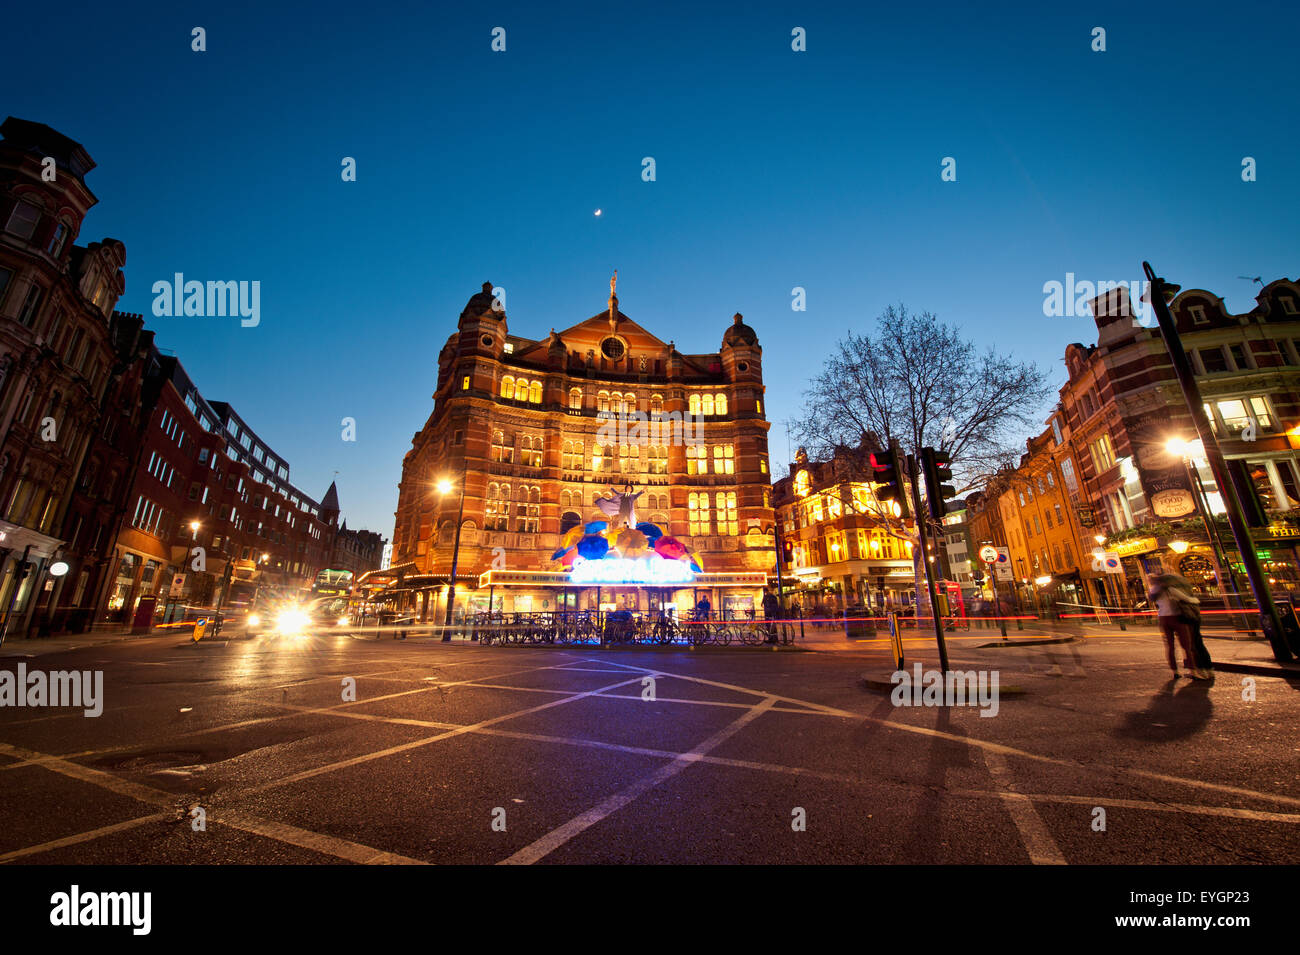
[[292, 621], [254, 620]]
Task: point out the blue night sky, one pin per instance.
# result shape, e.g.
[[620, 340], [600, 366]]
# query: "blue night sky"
[[775, 169]]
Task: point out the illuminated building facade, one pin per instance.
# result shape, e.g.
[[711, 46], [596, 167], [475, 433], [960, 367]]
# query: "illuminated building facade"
[[837, 547], [534, 430], [1116, 448]]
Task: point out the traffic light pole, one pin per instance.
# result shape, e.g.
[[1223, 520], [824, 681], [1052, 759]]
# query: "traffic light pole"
[[925, 564], [1270, 620]]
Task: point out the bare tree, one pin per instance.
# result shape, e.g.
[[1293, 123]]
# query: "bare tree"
[[918, 381]]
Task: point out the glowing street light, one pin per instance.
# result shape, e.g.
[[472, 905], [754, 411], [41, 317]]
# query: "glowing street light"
[[445, 487], [1178, 547]]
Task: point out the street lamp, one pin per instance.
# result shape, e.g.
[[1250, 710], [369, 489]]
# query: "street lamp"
[[1188, 451], [194, 529], [444, 488]]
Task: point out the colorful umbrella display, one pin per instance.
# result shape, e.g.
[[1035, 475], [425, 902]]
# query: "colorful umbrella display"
[[593, 547], [670, 547], [596, 541]]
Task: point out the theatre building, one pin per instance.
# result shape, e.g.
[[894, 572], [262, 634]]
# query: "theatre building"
[[527, 433]]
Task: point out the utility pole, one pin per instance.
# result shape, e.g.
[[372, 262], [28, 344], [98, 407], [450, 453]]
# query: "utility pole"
[[1270, 620]]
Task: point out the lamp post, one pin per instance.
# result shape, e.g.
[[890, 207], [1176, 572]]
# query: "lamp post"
[[444, 488]]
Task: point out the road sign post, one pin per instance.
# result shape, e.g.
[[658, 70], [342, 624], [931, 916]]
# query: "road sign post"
[[989, 554]]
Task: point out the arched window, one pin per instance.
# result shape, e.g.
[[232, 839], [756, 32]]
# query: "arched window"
[[508, 386], [693, 405], [629, 403], [602, 401], [720, 404], [801, 484], [697, 459], [529, 509], [658, 460], [575, 399], [569, 520], [656, 404], [530, 451], [535, 393], [501, 451], [708, 405]]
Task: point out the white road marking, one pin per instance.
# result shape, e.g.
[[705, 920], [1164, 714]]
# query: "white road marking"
[[85, 836], [548, 843], [1038, 842], [403, 747]]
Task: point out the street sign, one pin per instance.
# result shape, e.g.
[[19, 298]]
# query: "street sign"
[[989, 554], [1107, 562], [1003, 565], [178, 585]]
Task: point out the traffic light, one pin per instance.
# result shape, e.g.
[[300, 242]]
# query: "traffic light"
[[937, 468], [787, 552], [888, 473]]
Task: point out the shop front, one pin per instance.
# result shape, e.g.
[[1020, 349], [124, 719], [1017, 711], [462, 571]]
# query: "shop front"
[[736, 596]]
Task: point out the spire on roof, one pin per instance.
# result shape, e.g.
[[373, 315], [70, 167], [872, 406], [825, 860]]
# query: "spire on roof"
[[330, 502]]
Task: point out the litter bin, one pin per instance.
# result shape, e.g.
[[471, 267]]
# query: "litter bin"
[[858, 623]]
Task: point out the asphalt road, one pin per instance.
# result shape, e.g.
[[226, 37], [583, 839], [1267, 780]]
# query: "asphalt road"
[[464, 754]]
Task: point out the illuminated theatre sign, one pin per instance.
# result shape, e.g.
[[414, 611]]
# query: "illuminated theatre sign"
[[631, 570]]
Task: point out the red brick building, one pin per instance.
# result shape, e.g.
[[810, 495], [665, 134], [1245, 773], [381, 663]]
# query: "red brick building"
[[1122, 406], [537, 428], [210, 500], [57, 355]]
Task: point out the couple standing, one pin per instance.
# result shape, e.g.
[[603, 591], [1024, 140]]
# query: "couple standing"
[[1180, 616]]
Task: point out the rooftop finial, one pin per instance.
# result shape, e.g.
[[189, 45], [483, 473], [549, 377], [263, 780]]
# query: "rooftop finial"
[[613, 302]]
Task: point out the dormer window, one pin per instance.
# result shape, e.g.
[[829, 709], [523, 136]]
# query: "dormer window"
[[508, 348], [1288, 305], [1198, 315], [22, 221]]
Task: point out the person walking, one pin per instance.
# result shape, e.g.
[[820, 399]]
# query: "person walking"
[[1178, 610], [771, 613]]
